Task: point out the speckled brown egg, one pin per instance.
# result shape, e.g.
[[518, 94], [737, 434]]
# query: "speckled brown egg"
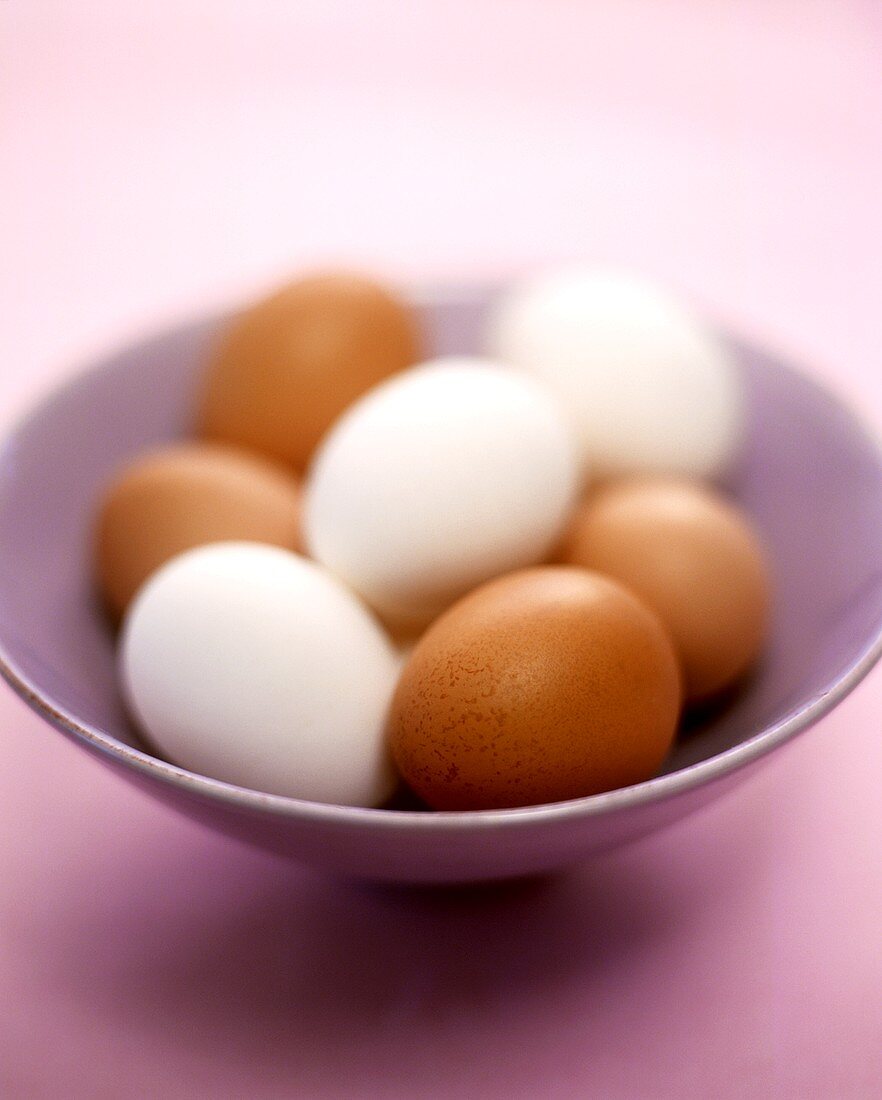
[[694, 558], [287, 367], [547, 684], [182, 496]]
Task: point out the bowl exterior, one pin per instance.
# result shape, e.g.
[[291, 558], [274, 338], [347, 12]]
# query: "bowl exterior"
[[424, 848]]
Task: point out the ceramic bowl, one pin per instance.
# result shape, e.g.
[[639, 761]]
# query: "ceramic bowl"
[[809, 475]]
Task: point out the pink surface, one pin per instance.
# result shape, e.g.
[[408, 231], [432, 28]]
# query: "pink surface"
[[153, 165]]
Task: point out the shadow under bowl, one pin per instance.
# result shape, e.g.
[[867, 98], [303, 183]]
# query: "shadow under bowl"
[[809, 475]]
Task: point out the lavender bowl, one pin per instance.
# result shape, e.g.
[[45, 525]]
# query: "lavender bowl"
[[809, 475]]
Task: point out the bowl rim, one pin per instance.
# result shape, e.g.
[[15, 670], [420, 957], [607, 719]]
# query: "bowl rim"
[[659, 788]]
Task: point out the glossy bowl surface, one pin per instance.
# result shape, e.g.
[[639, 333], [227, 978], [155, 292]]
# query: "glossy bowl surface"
[[809, 474]]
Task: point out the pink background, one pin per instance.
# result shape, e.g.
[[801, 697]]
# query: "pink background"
[[155, 165]]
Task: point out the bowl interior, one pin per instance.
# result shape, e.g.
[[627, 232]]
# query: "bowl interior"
[[809, 476]]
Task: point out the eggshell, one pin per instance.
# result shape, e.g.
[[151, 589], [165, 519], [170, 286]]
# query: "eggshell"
[[252, 665], [546, 684], [286, 368], [693, 557], [649, 388], [451, 473], [185, 495]]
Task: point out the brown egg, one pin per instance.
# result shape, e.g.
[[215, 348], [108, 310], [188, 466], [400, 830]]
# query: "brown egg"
[[546, 684], [694, 558], [185, 495], [288, 366]]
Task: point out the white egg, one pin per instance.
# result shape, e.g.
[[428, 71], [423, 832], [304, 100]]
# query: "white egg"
[[252, 665], [648, 387], [444, 476]]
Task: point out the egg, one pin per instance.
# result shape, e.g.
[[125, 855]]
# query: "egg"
[[547, 684], [250, 664], [449, 474], [649, 388], [691, 555], [183, 495], [285, 368]]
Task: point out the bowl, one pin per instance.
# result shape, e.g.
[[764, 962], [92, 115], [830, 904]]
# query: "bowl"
[[809, 475]]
